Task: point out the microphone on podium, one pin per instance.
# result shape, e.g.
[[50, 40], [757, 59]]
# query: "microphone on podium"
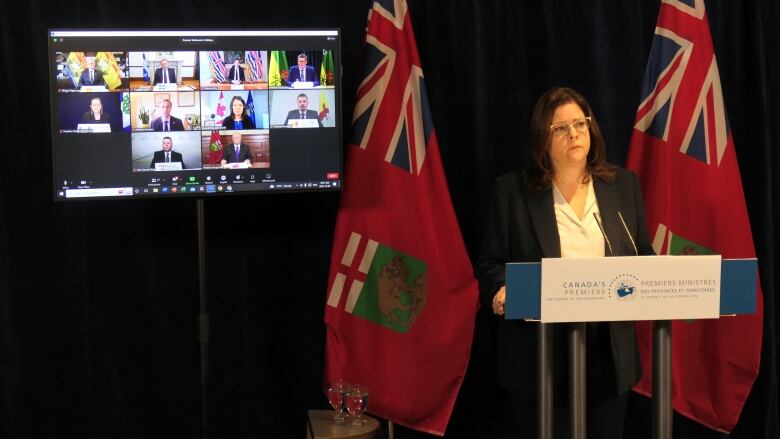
[[630, 238], [603, 233]]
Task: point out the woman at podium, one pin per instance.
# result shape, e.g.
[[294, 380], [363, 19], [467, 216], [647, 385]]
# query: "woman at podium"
[[568, 203]]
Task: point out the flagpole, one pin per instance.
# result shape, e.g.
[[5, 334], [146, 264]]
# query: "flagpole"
[[203, 319], [390, 429]]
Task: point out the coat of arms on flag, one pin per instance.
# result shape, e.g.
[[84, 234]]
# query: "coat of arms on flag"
[[401, 297], [390, 287]]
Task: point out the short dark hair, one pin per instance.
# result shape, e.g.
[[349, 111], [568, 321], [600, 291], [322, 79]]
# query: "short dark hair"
[[168, 137], [303, 95], [303, 55], [540, 174]]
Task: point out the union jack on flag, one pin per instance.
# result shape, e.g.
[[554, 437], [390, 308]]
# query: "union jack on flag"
[[683, 152], [217, 64], [678, 80], [409, 331], [255, 65], [393, 89]]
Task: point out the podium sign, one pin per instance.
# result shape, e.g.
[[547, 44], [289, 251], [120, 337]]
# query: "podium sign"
[[172, 166], [170, 86], [630, 288], [303, 84], [738, 280], [93, 128], [303, 123], [92, 88]]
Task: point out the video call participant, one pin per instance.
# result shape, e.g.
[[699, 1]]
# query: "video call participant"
[[236, 74], [166, 122], [236, 152], [303, 112], [164, 74], [95, 113], [167, 155], [303, 72], [91, 76], [239, 118]]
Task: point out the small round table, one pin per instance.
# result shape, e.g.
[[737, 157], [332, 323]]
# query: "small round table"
[[322, 426]]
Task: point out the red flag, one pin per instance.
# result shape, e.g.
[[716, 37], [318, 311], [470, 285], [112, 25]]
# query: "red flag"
[[683, 152], [215, 148], [221, 107], [401, 296]]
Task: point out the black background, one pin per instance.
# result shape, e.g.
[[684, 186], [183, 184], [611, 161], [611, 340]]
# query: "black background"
[[98, 300], [72, 107]]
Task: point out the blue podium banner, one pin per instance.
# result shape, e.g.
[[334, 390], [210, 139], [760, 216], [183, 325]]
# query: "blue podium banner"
[[737, 294]]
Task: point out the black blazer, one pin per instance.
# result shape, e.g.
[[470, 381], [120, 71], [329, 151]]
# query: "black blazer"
[[232, 72], [295, 75], [84, 78], [158, 75], [310, 114], [229, 153], [521, 227], [159, 157], [175, 124], [90, 118]]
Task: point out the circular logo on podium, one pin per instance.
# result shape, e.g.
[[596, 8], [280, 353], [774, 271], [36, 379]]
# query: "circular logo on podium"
[[624, 287]]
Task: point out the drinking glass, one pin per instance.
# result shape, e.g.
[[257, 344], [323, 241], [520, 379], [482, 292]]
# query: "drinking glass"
[[357, 402], [336, 392]]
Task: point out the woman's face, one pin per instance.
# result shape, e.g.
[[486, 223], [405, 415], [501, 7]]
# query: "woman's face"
[[571, 148], [96, 106], [238, 108]]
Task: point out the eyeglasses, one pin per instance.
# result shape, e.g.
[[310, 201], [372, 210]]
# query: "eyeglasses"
[[561, 129]]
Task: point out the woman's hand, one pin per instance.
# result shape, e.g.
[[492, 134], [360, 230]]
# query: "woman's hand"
[[498, 301]]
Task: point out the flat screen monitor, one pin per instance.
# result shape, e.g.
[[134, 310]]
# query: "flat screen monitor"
[[172, 113]]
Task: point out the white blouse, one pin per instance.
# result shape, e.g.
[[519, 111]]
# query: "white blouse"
[[580, 238]]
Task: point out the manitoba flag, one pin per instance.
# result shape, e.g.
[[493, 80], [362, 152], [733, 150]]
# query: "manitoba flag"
[[215, 149], [401, 297], [683, 152]]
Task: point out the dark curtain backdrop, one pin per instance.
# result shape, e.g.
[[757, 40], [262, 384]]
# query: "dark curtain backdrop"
[[98, 300]]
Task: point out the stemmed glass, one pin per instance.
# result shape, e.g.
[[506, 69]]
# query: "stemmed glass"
[[336, 397], [357, 402]]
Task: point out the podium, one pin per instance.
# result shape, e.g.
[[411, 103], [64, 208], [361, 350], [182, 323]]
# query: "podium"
[[93, 128], [303, 123], [170, 166], [302, 84], [658, 288]]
